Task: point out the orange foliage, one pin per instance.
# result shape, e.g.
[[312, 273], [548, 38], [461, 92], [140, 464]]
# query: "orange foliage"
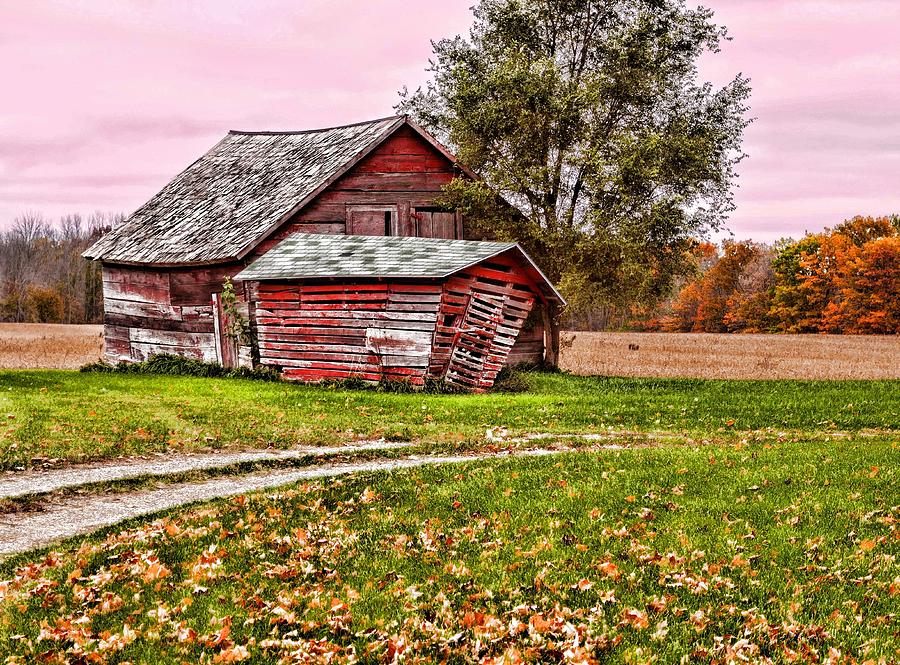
[[868, 286], [844, 280], [713, 302]]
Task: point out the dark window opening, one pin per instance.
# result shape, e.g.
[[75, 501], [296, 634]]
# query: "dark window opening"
[[387, 222]]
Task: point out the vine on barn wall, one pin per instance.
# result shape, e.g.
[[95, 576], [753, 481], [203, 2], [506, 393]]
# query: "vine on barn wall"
[[237, 326]]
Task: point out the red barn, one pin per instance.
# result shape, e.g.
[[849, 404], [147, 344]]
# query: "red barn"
[[264, 200]]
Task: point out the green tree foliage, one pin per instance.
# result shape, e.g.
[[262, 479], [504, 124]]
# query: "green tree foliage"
[[590, 118]]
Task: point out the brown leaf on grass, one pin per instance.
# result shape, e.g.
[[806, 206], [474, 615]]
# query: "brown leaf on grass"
[[608, 596], [235, 654], [472, 619], [699, 620], [635, 618], [609, 569], [156, 571], [218, 638], [539, 624], [867, 545], [583, 585], [337, 605], [658, 604], [739, 562]]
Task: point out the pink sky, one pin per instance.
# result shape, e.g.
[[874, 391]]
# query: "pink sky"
[[105, 101]]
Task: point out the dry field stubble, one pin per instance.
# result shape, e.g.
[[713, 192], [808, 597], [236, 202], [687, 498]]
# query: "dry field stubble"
[[49, 346], [694, 355], [732, 356]]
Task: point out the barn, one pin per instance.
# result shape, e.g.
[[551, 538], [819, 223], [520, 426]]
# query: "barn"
[[384, 307], [329, 235]]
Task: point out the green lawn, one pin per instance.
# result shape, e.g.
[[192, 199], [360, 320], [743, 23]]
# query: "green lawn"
[[722, 554], [73, 416]]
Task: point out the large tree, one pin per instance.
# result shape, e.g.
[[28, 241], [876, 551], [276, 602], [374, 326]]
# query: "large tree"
[[590, 118]]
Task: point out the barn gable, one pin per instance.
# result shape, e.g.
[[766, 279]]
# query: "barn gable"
[[252, 183], [401, 176]]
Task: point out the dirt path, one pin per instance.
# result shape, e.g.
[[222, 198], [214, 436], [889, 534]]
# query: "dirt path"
[[38, 482], [77, 515]]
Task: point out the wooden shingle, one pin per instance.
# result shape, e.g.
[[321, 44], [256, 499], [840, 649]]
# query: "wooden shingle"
[[222, 204]]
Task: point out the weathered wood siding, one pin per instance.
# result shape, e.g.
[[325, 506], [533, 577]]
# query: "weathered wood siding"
[[483, 310], [152, 311], [462, 329], [368, 330], [405, 171], [529, 346]]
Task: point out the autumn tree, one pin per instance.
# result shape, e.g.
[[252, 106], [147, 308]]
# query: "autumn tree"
[[868, 290], [43, 276], [822, 282], [590, 118], [791, 309], [44, 305], [721, 297]]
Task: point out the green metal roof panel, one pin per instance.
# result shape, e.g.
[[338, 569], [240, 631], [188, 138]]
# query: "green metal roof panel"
[[308, 255]]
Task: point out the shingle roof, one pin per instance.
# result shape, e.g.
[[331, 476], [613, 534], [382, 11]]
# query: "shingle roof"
[[224, 203], [309, 256]]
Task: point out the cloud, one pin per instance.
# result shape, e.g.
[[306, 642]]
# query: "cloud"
[[105, 101], [826, 141]]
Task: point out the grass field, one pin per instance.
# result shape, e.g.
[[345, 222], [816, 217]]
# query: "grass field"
[[744, 522], [751, 553], [78, 417], [705, 356]]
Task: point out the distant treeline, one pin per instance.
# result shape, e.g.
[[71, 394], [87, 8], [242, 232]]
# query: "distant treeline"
[[43, 278], [843, 280]]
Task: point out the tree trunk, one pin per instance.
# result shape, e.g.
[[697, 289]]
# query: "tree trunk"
[[551, 334]]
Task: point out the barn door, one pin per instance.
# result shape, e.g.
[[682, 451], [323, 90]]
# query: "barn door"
[[226, 345], [434, 223], [371, 220], [473, 362]]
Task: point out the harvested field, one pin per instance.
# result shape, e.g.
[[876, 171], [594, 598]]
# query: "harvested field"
[[49, 345], [691, 355], [731, 356]]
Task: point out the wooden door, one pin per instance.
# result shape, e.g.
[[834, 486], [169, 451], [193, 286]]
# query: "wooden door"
[[372, 220], [436, 224], [474, 362]]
